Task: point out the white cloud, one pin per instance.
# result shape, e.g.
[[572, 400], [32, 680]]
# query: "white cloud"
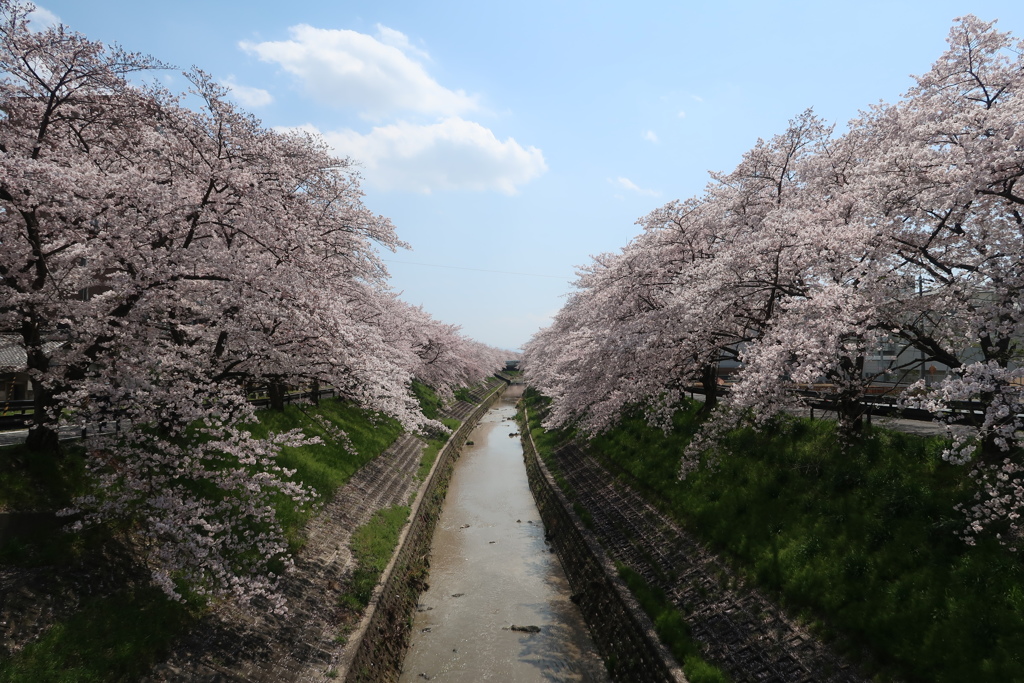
[[349, 69], [383, 79], [453, 154], [390, 36], [651, 136], [633, 187], [697, 98], [247, 96], [682, 114], [41, 19]]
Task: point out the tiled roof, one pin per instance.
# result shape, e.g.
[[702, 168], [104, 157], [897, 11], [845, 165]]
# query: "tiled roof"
[[12, 354]]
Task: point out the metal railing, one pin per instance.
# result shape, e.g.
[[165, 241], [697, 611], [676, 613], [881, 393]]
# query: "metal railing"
[[959, 412]]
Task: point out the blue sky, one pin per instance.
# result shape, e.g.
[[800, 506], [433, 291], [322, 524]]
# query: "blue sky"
[[509, 142]]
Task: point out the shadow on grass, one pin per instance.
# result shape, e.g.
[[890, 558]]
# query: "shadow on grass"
[[860, 541], [114, 638]]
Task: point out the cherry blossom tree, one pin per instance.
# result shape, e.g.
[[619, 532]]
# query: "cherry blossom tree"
[[158, 259], [812, 255], [56, 95], [944, 185], [704, 282], [436, 353]]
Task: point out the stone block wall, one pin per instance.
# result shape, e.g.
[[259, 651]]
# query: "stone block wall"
[[622, 631], [377, 648]]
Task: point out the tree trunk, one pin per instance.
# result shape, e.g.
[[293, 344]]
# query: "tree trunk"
[[849, 408], [42, 437], [314, 392], [999, 351], [709, 380], [850, 415], [276, 390]]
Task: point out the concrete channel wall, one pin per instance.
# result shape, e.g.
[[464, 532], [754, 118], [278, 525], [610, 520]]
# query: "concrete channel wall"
[[377, 647], [622, 631]]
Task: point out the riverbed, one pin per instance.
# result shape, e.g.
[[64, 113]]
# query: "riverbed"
[[491, 569]]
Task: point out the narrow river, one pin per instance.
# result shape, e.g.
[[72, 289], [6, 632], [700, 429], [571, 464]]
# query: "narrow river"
[[490, 569]]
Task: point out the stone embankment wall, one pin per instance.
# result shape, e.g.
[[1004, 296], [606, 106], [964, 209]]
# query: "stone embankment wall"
[[622, 631], [377, 647]]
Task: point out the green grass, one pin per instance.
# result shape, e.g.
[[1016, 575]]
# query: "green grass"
[[427, 460], [672, 629], [116, 638], [112, 638], [372, 545], [434, 446], [40, 481], [43, 482], [328, 466], [430, 404], [859, 541]]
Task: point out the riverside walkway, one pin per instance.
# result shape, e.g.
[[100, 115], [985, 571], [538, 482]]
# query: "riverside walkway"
[[15, 436]]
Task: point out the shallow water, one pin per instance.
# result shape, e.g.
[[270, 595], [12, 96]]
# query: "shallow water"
[[490, 569]]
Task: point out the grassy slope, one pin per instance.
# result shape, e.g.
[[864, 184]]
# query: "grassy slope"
[[669, 623], [372, 546], [118, 637], [374, 543], [113, 638], [328, 466], [860, 542], [672, 629]]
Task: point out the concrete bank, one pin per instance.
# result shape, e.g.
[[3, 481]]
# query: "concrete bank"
[[376, 648], [620, 628]]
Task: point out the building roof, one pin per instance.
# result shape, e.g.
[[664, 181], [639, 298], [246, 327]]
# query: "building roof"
[[13, 357]]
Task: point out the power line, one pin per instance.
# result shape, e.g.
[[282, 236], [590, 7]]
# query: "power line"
[[479, 270]]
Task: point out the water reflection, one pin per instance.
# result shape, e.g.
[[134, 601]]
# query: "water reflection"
[[491, 569]]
